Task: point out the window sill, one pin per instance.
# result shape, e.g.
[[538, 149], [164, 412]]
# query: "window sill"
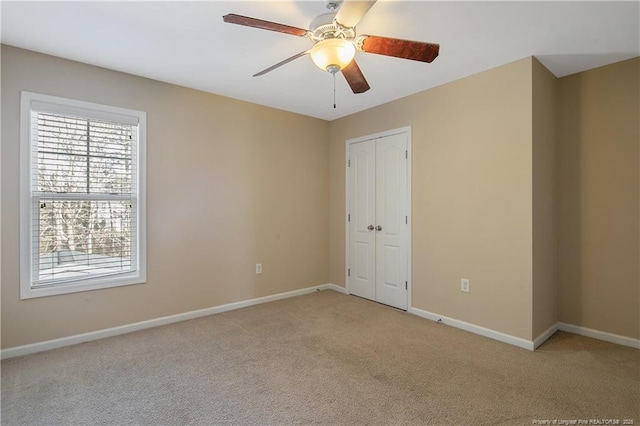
[[27, 292]]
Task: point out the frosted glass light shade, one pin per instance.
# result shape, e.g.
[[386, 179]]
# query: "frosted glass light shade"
[[333, 52]]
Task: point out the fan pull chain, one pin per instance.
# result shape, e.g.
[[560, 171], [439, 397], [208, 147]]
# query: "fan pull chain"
[[334, 90]]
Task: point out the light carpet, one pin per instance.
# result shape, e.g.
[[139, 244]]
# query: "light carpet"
[[323, 358]]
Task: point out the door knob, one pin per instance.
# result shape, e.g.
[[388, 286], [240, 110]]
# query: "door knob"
[[370, 227], [378, 228]]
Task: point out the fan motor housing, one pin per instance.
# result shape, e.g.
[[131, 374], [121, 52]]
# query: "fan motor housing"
[[324, 27]]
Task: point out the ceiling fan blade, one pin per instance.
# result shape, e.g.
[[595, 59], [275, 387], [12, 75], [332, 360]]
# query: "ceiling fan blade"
[[263, 25], [355, 78], [279, 64], [352, 11], [406, 49]]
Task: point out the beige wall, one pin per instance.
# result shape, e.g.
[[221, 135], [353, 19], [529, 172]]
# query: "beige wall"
[[230, 184], [598, 187], [471, 195], [545, 306]]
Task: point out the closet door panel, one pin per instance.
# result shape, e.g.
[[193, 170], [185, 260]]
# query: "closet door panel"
[[362, 248], [391, 238]]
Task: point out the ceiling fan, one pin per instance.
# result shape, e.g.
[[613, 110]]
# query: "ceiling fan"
[[335, 41]]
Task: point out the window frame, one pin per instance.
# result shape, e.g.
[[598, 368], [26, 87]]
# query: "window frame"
[[87, 110]]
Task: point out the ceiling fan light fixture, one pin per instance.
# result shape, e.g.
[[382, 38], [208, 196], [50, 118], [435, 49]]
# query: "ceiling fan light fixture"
[[333, 54]]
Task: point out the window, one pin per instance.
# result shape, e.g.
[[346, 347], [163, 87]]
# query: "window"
[[82, 189]]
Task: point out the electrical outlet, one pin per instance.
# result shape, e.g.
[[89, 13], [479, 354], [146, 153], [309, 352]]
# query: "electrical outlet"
[[258, 268], [464, 285]]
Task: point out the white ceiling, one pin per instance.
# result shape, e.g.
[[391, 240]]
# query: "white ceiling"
[[188, 44]]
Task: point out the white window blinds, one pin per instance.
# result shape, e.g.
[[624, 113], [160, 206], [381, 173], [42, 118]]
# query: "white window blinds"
[[84, 195]]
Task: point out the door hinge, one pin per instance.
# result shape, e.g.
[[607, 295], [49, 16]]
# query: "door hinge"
[[349, 272], [348, 163], [406, 154], [406, 285], [406, 220], [349, 217]]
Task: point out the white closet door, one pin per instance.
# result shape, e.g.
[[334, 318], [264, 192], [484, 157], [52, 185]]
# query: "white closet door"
[[378, 236], [391, 217], [362, 236]]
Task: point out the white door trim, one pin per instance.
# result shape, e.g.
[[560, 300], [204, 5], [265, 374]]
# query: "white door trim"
[[407, 131]]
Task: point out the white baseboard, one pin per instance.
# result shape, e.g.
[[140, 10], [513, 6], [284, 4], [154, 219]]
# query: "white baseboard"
[[600, 335], [526, 344], [337, 288], [476, 329], [128, 328], [545, 335]]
